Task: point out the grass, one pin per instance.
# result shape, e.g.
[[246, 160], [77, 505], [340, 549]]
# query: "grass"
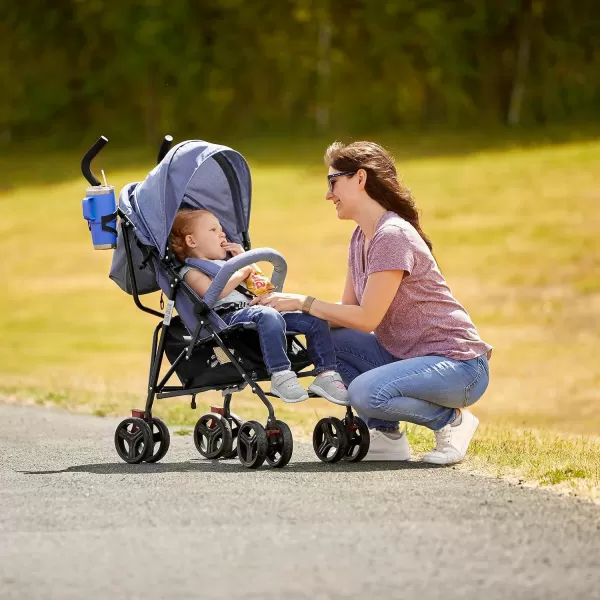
[[515, 230]]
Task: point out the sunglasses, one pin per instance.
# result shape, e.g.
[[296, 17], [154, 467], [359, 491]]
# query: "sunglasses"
[[331, 178]]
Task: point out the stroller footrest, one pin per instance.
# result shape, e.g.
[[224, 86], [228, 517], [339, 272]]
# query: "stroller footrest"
[[310, 395]]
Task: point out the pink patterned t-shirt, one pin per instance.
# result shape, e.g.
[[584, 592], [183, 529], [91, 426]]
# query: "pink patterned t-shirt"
[[424, 318]]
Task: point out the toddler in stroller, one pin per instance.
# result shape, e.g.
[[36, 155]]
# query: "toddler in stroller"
[[213, 342], [198, 240]]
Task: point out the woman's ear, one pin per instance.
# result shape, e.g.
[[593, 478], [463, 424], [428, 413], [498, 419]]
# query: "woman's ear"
[[362, 178]]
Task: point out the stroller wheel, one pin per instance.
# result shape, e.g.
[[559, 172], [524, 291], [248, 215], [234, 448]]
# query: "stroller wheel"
[[160, 436], [212, 435], [281, 445], [133, 437], [330, 440], [358, 440], [236, 423], [252, 444]]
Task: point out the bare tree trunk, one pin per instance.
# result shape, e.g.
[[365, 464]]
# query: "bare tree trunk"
[[522, 66]]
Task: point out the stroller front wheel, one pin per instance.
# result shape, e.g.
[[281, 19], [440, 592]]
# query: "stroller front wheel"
[[236, 423], [358, 439], [212, 435], [160, 436], [133, 438], [281, 445], [330, 440], [252, 444]]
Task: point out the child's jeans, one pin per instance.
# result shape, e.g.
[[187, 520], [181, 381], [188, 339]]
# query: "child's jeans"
[[272, 325]]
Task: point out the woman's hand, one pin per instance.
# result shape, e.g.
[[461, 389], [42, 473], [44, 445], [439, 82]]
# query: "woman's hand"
[[280, 302], [233, 249]]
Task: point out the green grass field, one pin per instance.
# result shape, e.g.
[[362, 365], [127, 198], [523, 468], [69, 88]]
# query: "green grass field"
[[515, 230]]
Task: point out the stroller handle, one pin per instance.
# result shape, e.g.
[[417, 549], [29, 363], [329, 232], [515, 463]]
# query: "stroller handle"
[[165, 146], [86, 161], [243, 260]]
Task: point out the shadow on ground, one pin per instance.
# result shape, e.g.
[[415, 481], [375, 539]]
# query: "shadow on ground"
[[200, 466]]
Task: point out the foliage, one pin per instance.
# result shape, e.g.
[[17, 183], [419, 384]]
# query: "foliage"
[[142, 67]]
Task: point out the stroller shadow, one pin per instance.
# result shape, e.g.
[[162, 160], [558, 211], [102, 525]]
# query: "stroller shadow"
[[232, 466]]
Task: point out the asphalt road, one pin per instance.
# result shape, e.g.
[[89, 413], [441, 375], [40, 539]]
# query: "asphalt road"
[[75, 523]]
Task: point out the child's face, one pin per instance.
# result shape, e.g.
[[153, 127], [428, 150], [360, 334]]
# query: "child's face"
[[206, 239]]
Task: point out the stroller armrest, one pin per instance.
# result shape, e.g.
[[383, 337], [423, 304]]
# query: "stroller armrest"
[[243, 260]]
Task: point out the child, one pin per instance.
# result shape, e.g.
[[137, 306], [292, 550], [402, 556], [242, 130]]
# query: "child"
[[198, 234]]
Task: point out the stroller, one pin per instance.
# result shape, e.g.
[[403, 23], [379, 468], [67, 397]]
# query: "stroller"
[[204, 353]]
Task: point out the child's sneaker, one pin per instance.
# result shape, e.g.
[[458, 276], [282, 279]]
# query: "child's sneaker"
[[285, 385], [452, 441], [329, 385]]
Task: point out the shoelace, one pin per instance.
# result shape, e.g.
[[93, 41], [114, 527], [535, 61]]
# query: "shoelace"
[[442, 438]]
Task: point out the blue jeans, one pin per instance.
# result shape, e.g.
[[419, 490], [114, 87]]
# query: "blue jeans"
[[425, 390], [272, 325]]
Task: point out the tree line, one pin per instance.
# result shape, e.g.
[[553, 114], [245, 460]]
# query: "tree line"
[[144, 67]]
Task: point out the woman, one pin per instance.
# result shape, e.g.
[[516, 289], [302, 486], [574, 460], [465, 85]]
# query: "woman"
[[406, 348]]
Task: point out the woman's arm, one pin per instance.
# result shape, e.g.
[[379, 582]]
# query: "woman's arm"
[[200, 282], [348, 296], [378, 295]]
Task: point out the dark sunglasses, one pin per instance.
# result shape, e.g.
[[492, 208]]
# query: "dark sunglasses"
[[331, 178]]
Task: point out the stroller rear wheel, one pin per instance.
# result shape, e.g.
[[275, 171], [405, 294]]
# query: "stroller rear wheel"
[[212, 435], [281, 445], [252, 444], [236, 423], [160, 436], [330, 440], [358, 439], [133, 438]]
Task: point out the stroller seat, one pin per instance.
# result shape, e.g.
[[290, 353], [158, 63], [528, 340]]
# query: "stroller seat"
[[210, 369]]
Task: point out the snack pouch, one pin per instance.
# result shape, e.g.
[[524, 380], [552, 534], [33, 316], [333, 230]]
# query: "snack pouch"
[[258, 283]]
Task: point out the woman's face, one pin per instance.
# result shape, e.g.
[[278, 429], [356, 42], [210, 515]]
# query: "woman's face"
[[344, 192]]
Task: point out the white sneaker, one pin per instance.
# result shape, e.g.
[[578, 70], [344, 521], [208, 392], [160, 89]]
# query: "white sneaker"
[[384, 447], [285, 385], [452, 442]]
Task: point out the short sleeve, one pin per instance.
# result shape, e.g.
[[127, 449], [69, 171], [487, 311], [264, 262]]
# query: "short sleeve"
[[390, 250], [185, 269], [352, 247]]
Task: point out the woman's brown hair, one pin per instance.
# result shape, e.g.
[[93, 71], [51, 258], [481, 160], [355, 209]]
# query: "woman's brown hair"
[[382, 184]]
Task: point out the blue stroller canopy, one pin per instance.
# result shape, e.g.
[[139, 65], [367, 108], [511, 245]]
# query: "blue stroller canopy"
[[194, 174]]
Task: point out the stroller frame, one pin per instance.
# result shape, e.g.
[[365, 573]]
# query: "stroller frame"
[[160, 389], [349, 439]]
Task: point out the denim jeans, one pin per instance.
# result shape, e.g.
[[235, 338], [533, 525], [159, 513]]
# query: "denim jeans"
[[272, 325], [425, 390]]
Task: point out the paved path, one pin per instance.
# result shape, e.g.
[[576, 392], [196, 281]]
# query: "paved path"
[[75, 523]]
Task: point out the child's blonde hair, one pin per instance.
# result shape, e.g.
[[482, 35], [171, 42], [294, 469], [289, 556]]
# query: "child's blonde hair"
[[183, 225]]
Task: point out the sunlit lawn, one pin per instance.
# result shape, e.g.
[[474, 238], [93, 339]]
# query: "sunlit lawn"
[[516, 233]]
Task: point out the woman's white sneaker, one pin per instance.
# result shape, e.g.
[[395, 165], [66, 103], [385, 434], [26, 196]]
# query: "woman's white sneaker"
[[386, 446], [452, 441]]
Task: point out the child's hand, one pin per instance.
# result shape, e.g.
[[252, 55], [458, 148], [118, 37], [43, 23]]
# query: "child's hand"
[[245, 272], [233, 249]]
